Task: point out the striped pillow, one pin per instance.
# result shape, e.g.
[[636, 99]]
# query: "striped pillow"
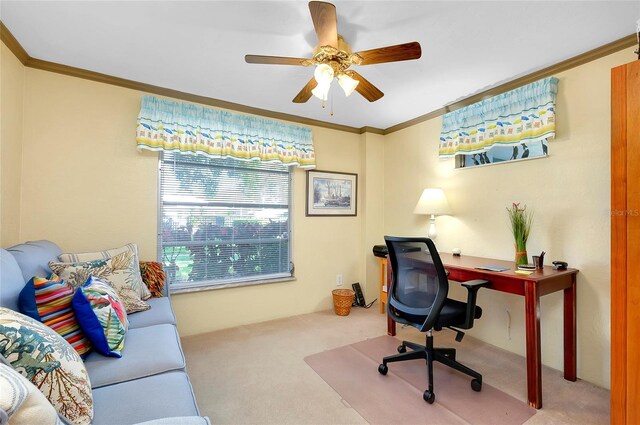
[[49, 301]]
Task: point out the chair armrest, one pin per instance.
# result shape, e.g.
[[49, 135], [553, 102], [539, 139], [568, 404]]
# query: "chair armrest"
[[476, 284], [472, 292]]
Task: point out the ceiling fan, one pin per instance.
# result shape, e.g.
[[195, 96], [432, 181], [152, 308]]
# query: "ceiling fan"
[[333, 58]]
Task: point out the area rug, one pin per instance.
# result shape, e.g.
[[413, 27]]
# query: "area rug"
[[352, 371]]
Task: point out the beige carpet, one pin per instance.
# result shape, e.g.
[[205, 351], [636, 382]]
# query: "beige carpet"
[[256, 374], [397, 397]]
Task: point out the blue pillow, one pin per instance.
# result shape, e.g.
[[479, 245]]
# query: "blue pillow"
[[102, 316], [27, 300]]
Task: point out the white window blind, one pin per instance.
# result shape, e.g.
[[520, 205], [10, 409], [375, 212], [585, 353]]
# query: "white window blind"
[[223, 221]]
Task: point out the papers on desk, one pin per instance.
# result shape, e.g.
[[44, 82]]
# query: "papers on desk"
[[493, 268]]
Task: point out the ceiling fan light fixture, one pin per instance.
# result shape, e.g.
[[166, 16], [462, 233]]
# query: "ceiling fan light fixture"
[[322, 91], [323, 74], [347, 83]]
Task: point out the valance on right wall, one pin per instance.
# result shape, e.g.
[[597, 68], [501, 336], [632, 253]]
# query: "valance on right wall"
[[523, 115]]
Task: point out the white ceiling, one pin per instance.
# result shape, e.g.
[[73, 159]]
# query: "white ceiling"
[[199, 47]]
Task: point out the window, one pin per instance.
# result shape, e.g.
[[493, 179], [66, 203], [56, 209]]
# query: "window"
[[498, 154], [223, 222]]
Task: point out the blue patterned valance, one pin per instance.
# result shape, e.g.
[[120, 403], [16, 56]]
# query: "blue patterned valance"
[[525, 114], [166, 125]]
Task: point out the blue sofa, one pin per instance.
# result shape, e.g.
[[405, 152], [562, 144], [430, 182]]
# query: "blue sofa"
[[149, 382]]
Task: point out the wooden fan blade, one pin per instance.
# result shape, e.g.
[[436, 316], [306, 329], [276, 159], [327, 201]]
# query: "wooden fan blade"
[[274, 60], [325, 22], [365, 88], [399, 52], [305, 93]]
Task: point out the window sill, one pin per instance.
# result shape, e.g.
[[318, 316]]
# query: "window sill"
[[213, 286]]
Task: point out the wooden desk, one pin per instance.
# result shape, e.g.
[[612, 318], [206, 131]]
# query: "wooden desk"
[[532, 287]]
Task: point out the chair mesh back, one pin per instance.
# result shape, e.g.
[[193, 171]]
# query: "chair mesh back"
[[419, 283]]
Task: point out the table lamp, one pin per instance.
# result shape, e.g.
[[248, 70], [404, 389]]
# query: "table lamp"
[[432, 202]]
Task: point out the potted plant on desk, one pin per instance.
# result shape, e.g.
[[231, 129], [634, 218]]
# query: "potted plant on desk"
[[520, 220]]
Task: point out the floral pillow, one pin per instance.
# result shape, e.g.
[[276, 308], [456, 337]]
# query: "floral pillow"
[[42, 356], [22, 402], [130, 248], [49, 301], [102, 316], [117, 271]]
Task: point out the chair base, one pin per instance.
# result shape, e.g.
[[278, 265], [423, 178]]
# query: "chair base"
[[446, 356]]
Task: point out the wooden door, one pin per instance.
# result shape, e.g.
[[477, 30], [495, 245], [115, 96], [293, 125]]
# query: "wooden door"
[[625, 244]]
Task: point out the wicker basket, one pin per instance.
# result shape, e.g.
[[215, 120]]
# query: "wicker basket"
[[342, 300]]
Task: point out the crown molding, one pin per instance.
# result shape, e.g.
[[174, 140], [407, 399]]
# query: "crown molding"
[[10, 41], [374, 130], [16, 48]]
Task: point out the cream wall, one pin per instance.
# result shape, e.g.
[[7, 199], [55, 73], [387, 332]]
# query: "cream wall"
[[86, 187], [570, 194], [12, 78]]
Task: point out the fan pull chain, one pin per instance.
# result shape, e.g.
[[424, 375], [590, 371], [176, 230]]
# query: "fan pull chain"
[[331, 113]]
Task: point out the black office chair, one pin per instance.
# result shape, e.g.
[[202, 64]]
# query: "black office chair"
[[418, 297]]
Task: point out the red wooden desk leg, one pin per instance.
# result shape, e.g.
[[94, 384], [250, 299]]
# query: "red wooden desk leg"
[[570, 331], [391, 326], [534, 367]]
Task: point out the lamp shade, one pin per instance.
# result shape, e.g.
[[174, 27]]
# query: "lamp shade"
[[323, 74], [432, 202], [347, 83], [321, 91]]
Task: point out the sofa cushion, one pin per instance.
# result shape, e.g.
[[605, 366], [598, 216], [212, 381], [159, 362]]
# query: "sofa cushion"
[[159, 396], [161, 313], [149, 351], [102, 316], [49, 301], [11, 280], [116, 271], [22, 402], [33, 257], [49, 362], [130, 250]]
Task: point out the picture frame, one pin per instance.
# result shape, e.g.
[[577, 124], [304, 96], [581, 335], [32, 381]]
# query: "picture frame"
[[331, 194]]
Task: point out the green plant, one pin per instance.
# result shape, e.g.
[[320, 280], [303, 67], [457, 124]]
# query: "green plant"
[[520, 220]]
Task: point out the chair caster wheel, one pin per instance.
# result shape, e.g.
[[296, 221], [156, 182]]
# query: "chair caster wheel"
[[476, 385], [402, 349], [429, 397], [383, 369]]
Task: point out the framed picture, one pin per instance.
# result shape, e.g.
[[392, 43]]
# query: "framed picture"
[[331, 194]]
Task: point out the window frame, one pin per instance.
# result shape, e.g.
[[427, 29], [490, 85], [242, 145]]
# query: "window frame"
[[226, 283]]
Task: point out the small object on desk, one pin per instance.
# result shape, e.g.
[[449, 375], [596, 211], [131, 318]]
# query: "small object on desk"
[[560, 265], [456, 252], [538, 260], [529, 267], [524, 272], [492, 268]]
